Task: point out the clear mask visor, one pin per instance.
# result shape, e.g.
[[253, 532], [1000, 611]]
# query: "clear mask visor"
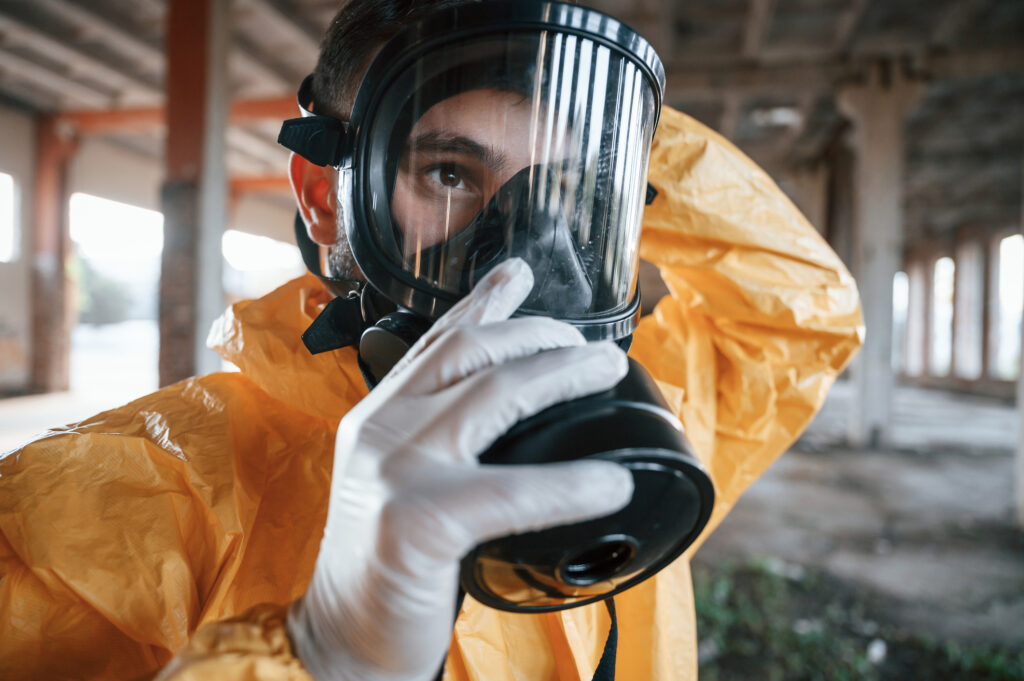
[[531, 145]]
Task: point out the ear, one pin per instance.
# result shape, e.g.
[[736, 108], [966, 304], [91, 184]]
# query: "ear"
[[314, 190]]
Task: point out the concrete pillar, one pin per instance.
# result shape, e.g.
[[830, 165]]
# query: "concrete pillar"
[[194, 194], [1020, 409], [876, 109], [968, 304], [839, 202], [53, 310], [915, 352], [808, 186], [1020, 440]]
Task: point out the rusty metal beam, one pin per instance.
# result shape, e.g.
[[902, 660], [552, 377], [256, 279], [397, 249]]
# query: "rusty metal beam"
[[194, 191], [260, 184], [92, 123]]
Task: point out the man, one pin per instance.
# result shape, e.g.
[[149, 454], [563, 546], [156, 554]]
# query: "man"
[[188, 524]]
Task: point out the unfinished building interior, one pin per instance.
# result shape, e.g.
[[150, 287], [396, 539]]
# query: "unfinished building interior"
[[896, 126]]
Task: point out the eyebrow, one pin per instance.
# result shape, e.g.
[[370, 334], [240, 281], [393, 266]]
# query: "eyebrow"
[[436, 141]]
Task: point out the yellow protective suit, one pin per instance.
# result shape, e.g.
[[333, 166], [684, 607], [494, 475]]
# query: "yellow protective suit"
[[184, 522]]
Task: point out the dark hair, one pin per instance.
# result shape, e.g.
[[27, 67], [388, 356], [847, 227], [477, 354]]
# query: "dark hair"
[[355, 33]]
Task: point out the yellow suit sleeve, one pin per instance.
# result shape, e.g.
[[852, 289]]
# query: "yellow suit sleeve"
[[251, 647], [762, 314], [123, 535]]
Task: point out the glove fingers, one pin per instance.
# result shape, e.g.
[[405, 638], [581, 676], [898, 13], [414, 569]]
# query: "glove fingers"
[[466, 350], [494, 298], [488, 403], [472, 505]]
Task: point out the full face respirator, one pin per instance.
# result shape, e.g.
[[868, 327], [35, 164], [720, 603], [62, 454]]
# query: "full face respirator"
[[514, 129]]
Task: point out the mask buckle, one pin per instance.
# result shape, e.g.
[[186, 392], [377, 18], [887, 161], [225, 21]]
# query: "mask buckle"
[[318, 139]]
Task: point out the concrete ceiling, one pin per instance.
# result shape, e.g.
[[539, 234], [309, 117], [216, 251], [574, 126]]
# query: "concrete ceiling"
[[763, 72]]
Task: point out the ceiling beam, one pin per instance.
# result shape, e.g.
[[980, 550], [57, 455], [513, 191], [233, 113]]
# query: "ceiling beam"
[[749, 79], [57, 83], [959, 15], [112, 34], [257, 147], [269, 108], [152, 119], [964, 64], [244, 60], [808, 76], [302, 41], [151, 56], [759, 21], [848, 20], [15, 32], [260, 184]]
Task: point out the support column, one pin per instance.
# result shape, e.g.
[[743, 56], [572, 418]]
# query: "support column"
[[1020, 408], [876, 108], [809, 187], [194, 194], [839, 209], [52, 307], [1020, 439]]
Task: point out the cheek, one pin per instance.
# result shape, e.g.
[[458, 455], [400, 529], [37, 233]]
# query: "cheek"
[[417, 222]]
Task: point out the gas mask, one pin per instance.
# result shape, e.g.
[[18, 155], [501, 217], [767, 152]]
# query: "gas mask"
[[515, 129]]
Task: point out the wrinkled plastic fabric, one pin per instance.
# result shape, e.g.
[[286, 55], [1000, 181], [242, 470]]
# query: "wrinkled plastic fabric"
[[127, 536]]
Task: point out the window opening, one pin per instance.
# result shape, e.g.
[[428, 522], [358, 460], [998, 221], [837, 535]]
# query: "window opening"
[[900, 305], [1006, 360], [9, 231], [941, 350], [116, 268]]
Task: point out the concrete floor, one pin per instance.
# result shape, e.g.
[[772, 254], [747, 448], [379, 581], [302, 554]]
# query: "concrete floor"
[[111, 365], [927, 523]]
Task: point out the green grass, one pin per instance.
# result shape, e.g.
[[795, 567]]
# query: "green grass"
[[757, 621]]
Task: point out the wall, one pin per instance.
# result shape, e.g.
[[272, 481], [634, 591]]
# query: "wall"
[[103, 169], [266, 216], [17, 136], [113, 172]]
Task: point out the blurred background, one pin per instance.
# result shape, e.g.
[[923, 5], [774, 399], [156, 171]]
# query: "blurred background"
[[141, 190]]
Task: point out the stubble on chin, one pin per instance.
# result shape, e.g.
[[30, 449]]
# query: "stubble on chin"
[[340, 259]]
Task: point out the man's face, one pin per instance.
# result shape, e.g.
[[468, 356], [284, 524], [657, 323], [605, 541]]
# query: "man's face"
[[457, 156]]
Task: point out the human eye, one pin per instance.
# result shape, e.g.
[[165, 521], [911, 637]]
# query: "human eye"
[[448, 175]]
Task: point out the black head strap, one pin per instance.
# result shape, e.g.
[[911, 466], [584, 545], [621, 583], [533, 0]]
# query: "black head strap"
[[321, 141], [318, 139]]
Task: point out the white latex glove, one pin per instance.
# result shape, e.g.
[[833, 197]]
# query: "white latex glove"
[[409, 499]]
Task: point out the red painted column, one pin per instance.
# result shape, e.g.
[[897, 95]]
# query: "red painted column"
[[195, 187], [53, 310]]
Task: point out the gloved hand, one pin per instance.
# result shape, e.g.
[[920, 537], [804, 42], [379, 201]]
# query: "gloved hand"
[[409, 499]]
